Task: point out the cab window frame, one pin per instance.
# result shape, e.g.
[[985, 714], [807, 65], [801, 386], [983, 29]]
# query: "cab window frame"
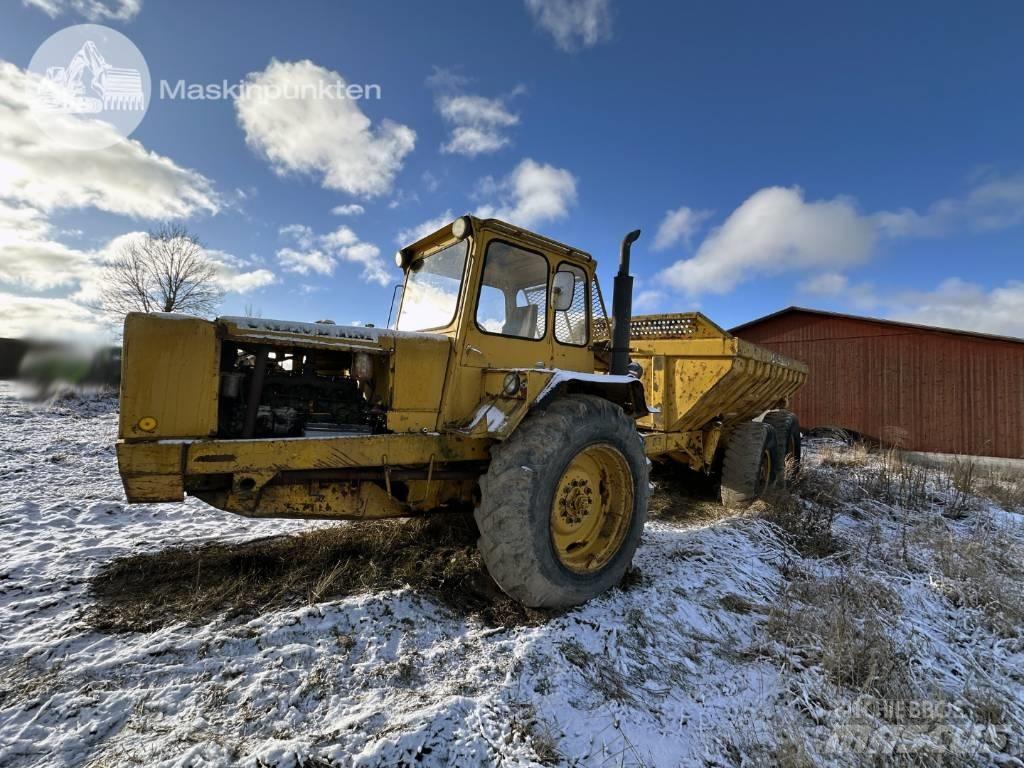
[[587, 308], [547, 289], [466, 261]]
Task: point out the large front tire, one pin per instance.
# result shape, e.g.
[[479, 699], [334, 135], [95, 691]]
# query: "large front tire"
[[563, 503]]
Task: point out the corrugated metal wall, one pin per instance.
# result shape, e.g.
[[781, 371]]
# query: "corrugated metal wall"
[[925, 390]]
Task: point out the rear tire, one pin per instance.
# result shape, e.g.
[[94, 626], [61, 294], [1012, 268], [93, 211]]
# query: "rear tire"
[[787, 443], [563, 503], [749, 467]]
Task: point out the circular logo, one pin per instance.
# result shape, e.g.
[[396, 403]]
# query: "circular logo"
[[89, 86]]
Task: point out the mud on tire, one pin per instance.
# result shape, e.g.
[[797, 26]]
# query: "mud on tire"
[[787, 443], [518, 494]]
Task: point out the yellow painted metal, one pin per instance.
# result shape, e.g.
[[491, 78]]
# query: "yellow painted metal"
[[151, 472], [313, 500], [592, 508], [417, 368], [710, 377], [212, 457], [169, 379]]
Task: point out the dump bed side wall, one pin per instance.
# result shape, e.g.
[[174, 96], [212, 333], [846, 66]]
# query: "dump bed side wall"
[[702, 374]]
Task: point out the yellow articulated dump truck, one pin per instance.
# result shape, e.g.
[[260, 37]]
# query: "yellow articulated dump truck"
[[503, 388]]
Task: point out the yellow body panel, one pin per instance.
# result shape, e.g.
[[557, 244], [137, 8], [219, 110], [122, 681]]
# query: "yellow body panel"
[[169, 378]]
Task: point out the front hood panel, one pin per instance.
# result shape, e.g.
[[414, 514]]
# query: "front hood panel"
[[317, 334]]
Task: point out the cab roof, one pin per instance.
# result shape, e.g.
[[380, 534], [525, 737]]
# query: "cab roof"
[[519, 234]]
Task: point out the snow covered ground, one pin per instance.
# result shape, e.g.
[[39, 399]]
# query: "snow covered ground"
[[736, 644]]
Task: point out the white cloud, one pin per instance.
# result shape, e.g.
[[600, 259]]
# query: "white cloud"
[[679, 225], [648, 300], [994, 204], [825, 284], [534, 193], [93, 10], [956, 303], [352, 209], [329, 138], [574, 24], [124, 178], [320, 254], [31, 256], [775, 230], [412, 234], [478, 123], [305, 262], [36, 317]]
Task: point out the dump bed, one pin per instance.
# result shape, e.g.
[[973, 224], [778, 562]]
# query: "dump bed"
[[696, 374]]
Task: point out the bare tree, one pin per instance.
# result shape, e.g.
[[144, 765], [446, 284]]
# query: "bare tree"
[[167, 271]]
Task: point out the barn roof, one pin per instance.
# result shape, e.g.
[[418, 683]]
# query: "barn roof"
[[896, 323]]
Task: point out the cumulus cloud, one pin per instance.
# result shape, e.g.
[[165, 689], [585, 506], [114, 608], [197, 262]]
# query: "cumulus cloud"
[[679, 225], [478, 124], [124, 178], [574, 24], [534, 193], [38, 317], [287, 120], [825, 284], [414, 233], [32, 257], [309, 253], [93, 10], [775, 230], [956, 303], [994, 203], [352, 209]]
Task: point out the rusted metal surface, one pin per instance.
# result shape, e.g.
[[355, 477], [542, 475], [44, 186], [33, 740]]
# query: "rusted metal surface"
[[922, 388]]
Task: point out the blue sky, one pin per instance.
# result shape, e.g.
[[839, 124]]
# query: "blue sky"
[[864, 158]]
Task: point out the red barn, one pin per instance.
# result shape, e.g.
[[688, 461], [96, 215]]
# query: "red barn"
[[923, 388]]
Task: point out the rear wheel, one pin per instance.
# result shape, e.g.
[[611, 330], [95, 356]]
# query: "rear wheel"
[[749, 467], [563, 503], [787, 443]]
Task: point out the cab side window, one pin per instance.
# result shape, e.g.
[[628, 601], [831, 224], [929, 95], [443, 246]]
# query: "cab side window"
[[513, 292], [571, 326]]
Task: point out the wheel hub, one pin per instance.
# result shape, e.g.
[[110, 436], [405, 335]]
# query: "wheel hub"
[[576, 500], [592, 508]]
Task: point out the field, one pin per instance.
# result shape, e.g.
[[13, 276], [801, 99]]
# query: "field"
[[873, 616]]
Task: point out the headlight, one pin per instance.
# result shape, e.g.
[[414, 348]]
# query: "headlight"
[[510, 387], [400, 259], [460, 227]]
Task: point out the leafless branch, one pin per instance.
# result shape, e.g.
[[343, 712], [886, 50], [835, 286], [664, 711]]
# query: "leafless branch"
[[167, 271]]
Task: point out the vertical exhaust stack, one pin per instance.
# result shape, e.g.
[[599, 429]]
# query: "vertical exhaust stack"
[[622, 308]]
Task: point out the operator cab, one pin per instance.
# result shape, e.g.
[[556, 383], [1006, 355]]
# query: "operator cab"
[[499, 286]]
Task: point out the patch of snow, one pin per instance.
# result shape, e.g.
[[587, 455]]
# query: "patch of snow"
[[658, 674], [325, 330]]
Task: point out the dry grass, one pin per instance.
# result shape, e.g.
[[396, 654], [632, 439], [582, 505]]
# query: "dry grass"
[[805, 511], [842, 624], [1005, 490], [845, 456], [682, 495], [982, 569], [435, 555]]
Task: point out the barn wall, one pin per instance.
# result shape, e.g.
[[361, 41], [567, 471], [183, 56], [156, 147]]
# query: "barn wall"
[[925, 390]]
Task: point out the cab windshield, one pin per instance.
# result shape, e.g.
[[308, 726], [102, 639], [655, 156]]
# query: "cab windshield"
[[432, 288]]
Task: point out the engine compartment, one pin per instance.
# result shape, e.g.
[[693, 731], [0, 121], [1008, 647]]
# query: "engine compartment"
[[279, 392]]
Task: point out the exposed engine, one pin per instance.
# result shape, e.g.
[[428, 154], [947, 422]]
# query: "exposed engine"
[[297, 393]]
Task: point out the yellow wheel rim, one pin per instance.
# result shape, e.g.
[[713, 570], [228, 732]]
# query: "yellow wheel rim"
[[592, 508]]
